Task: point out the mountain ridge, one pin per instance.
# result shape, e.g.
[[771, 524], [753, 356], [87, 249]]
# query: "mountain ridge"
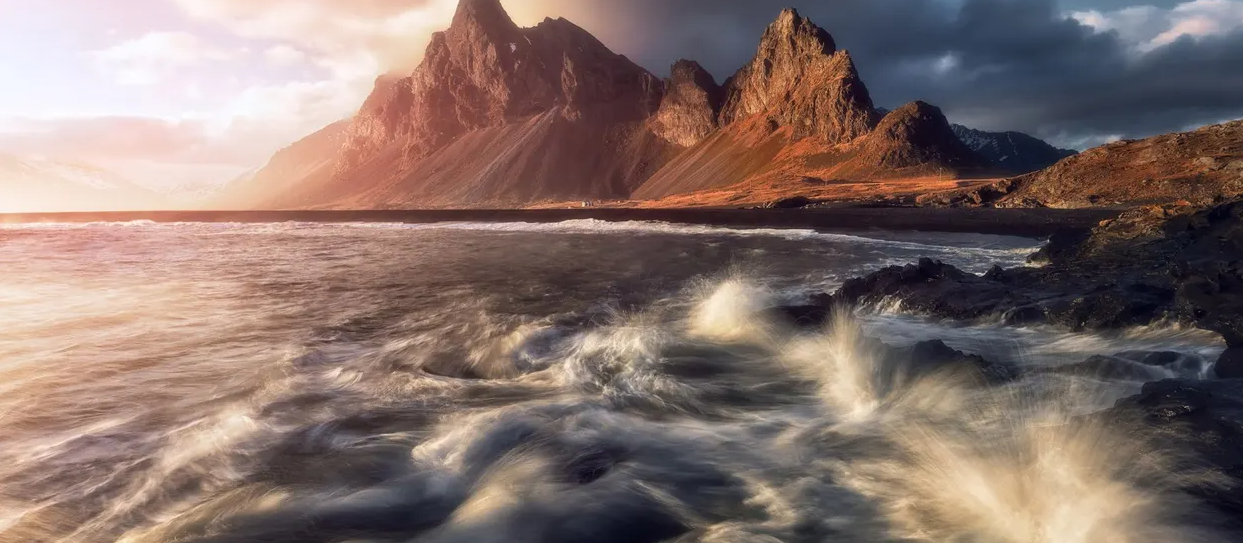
[[1198, 167], [53, 185], [502, 116]]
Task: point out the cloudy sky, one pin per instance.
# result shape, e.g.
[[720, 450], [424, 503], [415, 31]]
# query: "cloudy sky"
[[201, 90]]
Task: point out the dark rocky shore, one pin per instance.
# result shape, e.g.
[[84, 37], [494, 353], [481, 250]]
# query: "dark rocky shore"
[[1173, 264], [1150, 265], [1015, 222]]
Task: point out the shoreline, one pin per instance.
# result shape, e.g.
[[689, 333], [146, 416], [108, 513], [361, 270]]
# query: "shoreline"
[[1013, 222]]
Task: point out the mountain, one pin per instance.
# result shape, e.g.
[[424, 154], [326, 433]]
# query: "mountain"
[[799, 119], [495, 114], [30, 185], [290, 177], [1199, 167], [498, 115], [1015, 153]]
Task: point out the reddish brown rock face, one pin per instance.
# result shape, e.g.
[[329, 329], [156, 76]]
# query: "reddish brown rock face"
[[497, 115], [800, 80], [688, 113], [1197, 167], [485, 71], [916, 134]]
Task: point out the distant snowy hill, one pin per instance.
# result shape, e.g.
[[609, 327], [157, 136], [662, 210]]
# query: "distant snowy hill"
[[1015, 152], [50, 185], [198, 194]]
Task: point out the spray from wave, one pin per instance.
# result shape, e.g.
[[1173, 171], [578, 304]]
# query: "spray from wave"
[[329, 384], [730, 425]]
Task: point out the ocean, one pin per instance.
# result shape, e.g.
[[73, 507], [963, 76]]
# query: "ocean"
[[573, 381]]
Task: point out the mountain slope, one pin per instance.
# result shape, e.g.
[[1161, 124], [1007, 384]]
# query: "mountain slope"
[[289, 178], [50, 186], [1015, 153], [1200, 167], [797, 116], [498, 115]]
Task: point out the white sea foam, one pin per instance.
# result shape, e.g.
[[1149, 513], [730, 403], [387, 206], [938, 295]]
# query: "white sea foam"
[[398, 397]]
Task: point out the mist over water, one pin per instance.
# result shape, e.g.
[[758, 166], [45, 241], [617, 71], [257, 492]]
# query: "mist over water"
[[580, 381]]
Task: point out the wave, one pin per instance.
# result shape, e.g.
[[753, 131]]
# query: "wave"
[[707, 416], [982, 245]]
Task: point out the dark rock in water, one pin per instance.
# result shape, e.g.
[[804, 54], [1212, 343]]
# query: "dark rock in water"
[[1149, 265], [1109, 367], [1230, 364], [928, 357], [1159, 358], [1200, 416], [1062, 245], [807, 316], [1027, 314], [936, 288], [1212, 294], [1132, 305]]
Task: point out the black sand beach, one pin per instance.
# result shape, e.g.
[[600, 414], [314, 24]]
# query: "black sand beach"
[[1017, 222]]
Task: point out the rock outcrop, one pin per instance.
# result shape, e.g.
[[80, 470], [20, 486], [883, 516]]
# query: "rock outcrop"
[[918, 135], [1155, 264], [1197, 167], [692, 102], [799, 79]]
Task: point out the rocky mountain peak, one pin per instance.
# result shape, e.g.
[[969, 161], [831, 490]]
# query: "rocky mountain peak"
[[798, 35], [689, 70], [484, 71], [915, 134], [692, 101], [798, 79], [487, 16]]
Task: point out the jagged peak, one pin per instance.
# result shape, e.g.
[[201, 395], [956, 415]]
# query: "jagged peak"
[[790, 26], [488, 15], [689, 70], [919, 109], [847, 60], [916, 119]]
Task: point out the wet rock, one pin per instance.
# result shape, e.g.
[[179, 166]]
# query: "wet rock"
[[1133, 305], [1109, 367], [1149, 265], [928, 357], [1230, 364], [1063, 244], [1028, 314], [803, 316], [1205, 417], [935, 288], [1211, 293]]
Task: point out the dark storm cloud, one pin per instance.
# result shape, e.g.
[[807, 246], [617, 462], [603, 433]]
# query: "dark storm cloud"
[[995, 64]]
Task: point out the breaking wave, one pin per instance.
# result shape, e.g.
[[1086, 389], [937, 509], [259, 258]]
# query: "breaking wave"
[[704, 416]]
